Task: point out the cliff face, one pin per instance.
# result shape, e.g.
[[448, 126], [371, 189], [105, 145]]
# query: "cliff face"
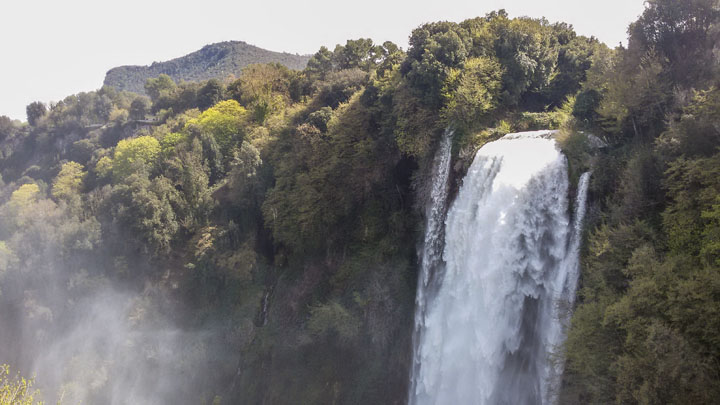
[[212, 61]]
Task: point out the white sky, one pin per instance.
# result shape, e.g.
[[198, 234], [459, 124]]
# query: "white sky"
[[54, 48]]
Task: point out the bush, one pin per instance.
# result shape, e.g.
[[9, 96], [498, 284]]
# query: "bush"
[[18, 390]]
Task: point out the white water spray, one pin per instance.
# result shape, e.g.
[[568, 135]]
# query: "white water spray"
[[565, 293], [510, 259], [431, 251]]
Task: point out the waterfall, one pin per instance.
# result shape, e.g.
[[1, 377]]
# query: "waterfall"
[[509, 264], [431, 251], [565, 292]]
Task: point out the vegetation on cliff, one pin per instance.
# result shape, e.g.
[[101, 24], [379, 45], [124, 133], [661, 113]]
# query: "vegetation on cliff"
[[276, 215]]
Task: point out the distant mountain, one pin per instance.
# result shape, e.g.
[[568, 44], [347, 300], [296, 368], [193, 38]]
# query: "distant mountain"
[[212, 61]]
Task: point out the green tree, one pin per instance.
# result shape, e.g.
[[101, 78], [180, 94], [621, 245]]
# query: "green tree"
[[170, 141], [35, 111], [187, 169], [471, 93], [695, 133], [139, 108], [635, 96], [339, 86], [711, 234], [392, 58], [160, 86], [525, 48], [243, 182], [573, 61], [146, 209], [320, 64], [434, 50], [355, 54], [210, 94], [683, 34], [7, 127]]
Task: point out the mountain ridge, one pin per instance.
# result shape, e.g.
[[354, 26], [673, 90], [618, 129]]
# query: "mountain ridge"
[[215, 60]]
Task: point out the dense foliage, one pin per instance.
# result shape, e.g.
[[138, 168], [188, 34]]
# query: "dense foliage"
[[283, 205], [646, 329]]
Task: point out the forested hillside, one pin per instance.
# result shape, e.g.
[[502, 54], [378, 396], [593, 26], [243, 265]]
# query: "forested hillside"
[[215, 61], [255, 241]]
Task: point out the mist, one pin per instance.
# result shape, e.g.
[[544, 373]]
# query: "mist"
[[74, 318]]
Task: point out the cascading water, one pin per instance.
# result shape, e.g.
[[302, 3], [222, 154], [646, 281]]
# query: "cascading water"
[[431, 251], [565, 291], [510, 259]]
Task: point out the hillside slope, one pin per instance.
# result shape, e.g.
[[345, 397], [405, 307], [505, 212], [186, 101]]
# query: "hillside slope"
[[256, 241], [212, 61]]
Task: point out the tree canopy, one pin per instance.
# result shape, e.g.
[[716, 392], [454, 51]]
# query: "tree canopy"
[[286, 206]]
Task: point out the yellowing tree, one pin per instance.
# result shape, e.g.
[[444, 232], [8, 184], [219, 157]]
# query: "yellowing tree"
[[103, 167], [20, 207], [16, 391], [68, 183], [25, 195], [264, 88], [224, 121], [132, 155]]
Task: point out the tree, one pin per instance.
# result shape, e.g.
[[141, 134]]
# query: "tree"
[[434, 50], [134, 155], [170, 141], [320, 64], [359, 53], [18, 209], [574, 60], [139, 108], [187, 169], [224, 121], [470, 94], [339, 86], [210, 94], [102, 107], [264, 89], [525, 49], [18, 390], [24, 196], [147, 210], [242, 177], [392, 57], [696, 132], [67, 185], [35, 111], [160, 86], [683, 34], [103, 167], [7, 127], [636, 96]]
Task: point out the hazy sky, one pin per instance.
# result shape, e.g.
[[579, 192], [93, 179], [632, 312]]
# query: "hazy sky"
[[54, 48]]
